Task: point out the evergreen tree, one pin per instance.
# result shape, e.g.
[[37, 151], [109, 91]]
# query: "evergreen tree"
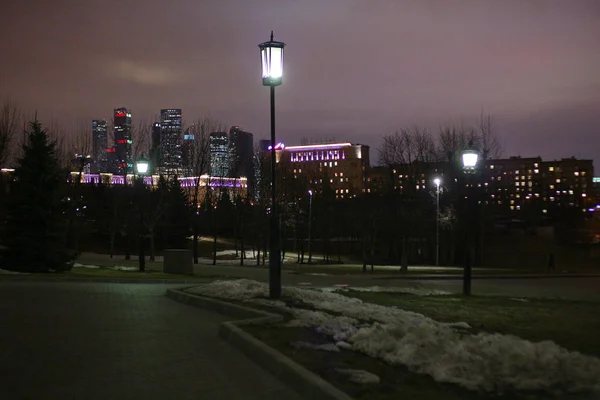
[[36, 221], [178, 216]]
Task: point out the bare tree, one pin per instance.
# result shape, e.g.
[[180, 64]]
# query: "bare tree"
[[489, 143], [10, 120], [198, 160]]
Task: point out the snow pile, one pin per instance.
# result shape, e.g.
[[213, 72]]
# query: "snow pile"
[[491, 362], [315, 346], [407, 290], [78, 265], [123, 268], [7, 272], [359, 376]]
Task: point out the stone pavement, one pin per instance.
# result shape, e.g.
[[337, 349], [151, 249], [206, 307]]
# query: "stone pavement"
[[118, 341]]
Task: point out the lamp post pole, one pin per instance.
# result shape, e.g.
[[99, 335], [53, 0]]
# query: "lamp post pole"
[[271, 53], [141, 167], [469, 160], [310, 226], [437, 222], [275, 250]]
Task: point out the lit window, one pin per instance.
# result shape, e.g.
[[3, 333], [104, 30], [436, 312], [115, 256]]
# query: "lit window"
[[535, 165], [544, 211], [346, 190], [517, 183], [300, 170], [551, 186], [551, 169], [341, 179], [491, 167], [537, 171], [341, 174], [330, 164], [576, 173], [582, 173], [336, 174], [335, 163], [557, 180]]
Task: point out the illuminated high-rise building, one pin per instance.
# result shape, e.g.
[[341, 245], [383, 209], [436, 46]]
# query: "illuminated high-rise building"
[[99, 146], [155, 146], [219, 154], [123, 141], [171, 136]]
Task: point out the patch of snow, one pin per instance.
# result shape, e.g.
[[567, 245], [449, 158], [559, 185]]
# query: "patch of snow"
[[407, 290], [518, 299], [359, 376], [78, 265], [7, 272], [314, 346], [123, 268], [489, 362], [344, 345]]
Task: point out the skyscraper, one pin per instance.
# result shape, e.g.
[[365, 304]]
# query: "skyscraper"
[[99, 146], [123, 142], [155, 146], [187, 154], [219, 154], [241, 156], [171, 136]]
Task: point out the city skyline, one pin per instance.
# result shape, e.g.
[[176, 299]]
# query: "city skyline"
[[358, 73]]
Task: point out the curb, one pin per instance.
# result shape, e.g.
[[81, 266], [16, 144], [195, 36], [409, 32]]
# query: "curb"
[[99, 280], [308, 384], [483, 277]]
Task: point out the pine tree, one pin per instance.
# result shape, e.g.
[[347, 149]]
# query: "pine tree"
[[35, 234]]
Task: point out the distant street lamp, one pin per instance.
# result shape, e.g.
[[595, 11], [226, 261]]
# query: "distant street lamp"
[[141, 166], [437, 182], [271, 55], [470, 157], [310, 193]]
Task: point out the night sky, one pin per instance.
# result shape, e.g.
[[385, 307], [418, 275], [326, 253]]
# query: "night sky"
[[355, 69]]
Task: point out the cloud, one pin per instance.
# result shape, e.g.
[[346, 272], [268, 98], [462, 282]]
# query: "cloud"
[[146, 74]]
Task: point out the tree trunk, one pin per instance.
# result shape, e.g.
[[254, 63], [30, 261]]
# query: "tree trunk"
[[195, 244], [214, 249], [258, 253], [404, 257], [128, 246], [112, 243], [339, 249], [152, 247], [243, 250]]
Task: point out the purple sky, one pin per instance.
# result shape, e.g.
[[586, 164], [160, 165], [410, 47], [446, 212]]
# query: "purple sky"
[[355, 69]]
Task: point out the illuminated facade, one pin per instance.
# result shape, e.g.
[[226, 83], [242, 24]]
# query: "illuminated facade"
[[99, 146], [123, 142], [234, 186], [512, 184], [171, 136], [341, 166]]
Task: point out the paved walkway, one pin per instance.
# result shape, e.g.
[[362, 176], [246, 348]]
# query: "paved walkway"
[[118, 341]]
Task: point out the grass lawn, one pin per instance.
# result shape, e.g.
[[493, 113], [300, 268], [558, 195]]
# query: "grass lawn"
[[113, 274], [353, 269], [573, 325]]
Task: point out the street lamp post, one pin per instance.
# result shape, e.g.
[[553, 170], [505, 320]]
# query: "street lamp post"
[[470, 157], [141, 167], [310, 193], [437, 182], [271, 55]]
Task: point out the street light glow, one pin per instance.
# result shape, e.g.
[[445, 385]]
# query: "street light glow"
[[437, 181]]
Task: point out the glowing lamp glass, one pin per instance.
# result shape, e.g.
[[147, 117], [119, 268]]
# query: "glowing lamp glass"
[[469, 159], [142, 166], [271, 56]]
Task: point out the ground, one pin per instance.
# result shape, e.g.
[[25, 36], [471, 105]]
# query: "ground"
[[118, 341], [484, 353]]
